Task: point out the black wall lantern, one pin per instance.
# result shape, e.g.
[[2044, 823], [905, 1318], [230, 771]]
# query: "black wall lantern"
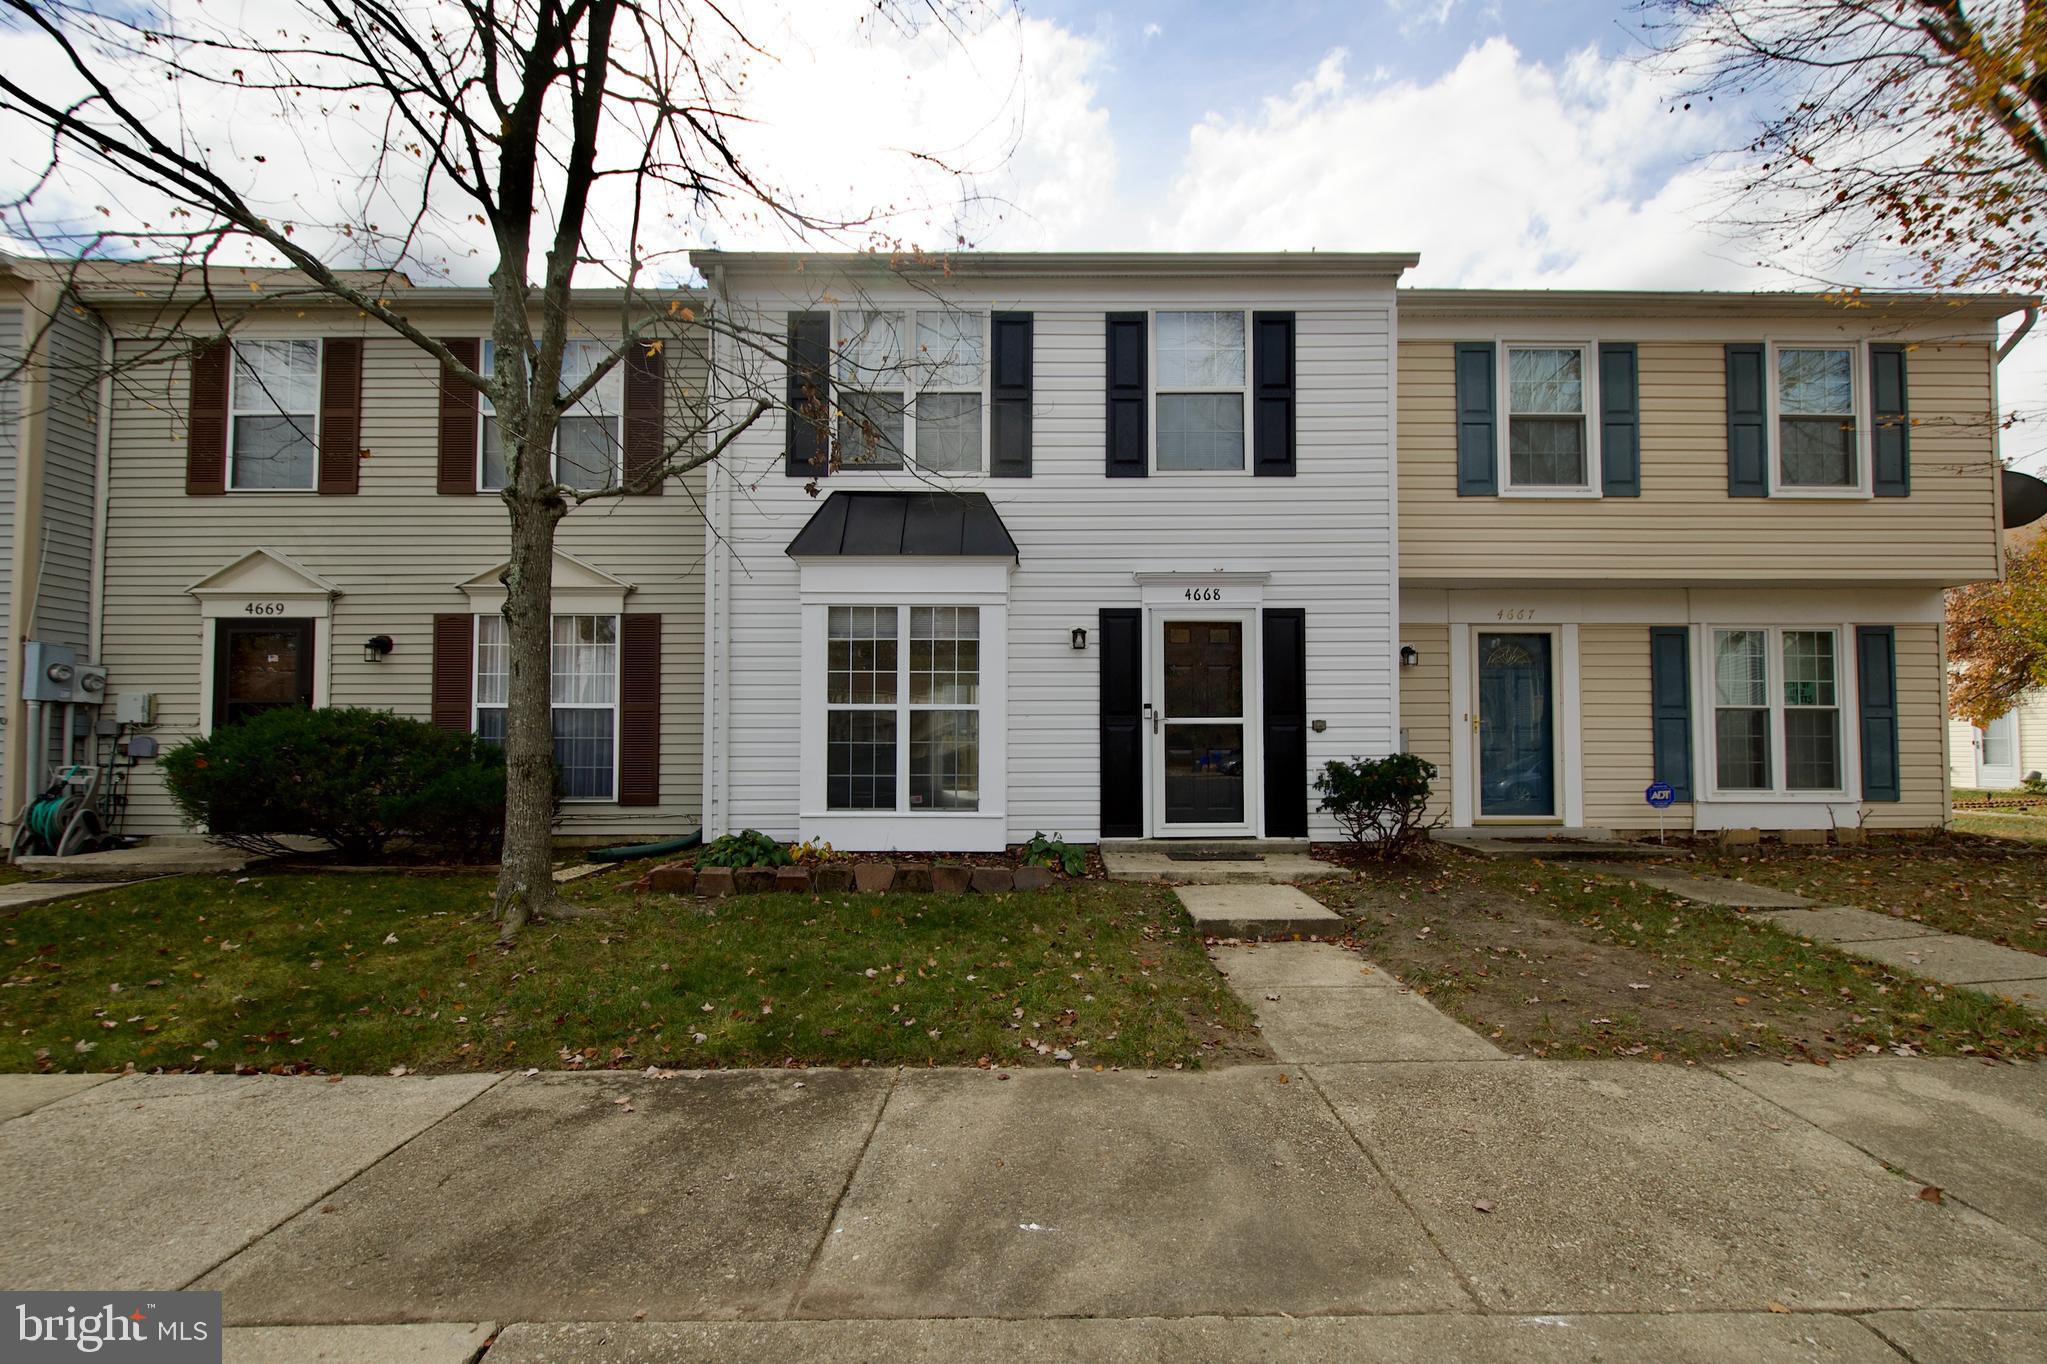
[[1080, 637], [375, 647], [1410, 657]]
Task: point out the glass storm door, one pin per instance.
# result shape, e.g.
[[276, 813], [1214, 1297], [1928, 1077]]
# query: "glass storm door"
[[1516, 727], [1200, 725], [1997, 753], [259, 666]]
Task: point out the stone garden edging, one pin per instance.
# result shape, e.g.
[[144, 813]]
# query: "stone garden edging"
[[832, 878]]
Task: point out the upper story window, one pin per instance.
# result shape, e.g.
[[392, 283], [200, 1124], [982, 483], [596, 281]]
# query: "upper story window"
[[588, 438], [1777, 711], [1818, 435], [911, 388], [584, 655], [1549, 432], [1199, 391], [274, 415]]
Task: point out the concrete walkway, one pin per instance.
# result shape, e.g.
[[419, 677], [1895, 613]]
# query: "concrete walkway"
[[1950, 958], [20, 895], [1440, 1210], [1318, 1002]]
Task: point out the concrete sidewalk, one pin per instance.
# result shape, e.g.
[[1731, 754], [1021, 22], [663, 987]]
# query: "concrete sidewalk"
[[1411, 1210]]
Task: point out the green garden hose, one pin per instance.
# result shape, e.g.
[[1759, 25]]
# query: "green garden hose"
[[634, 851]]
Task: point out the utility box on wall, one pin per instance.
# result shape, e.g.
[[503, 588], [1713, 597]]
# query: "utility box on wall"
[[49, 672], [135, 708]]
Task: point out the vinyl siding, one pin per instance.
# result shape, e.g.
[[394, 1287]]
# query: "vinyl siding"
[[1324, 537], [1684, 528], [1617, 723], [1425, 706], [1922, 737], [397, 550], [11, 341], [2031, 715], [63, 598]]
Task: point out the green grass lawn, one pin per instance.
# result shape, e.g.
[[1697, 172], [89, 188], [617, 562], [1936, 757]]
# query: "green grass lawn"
[[363, 973], [1987, 880]]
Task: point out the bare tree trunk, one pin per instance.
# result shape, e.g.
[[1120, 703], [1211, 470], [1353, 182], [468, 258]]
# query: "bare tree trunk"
[[525, 880]]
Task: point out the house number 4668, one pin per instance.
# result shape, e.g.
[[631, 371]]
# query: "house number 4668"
[[1204, 594]]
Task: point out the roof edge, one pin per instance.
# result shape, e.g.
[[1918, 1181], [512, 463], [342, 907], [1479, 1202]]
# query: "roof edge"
[[1064, 264], [1923, 303]]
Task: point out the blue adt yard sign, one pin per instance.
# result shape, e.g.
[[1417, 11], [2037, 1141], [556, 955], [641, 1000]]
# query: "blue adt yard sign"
[[1661, 795]]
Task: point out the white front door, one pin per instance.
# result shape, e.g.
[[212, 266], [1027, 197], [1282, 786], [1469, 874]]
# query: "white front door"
[[1202, 729], [1997, 753]]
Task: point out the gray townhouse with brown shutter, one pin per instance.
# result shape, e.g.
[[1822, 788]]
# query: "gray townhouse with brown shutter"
[[1108, 546], [302, 514]]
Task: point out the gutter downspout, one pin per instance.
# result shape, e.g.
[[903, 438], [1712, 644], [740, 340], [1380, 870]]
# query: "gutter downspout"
[[102, 460], [39, 304], [2011, 342]]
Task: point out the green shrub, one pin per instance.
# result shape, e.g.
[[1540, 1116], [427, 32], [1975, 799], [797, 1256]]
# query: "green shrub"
[[1381, 803], [1055, 853], [352, 778], [750, 848]]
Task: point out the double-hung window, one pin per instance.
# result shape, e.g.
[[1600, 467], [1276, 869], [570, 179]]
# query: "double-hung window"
[[1200, 388], [1549, 428], [903, 726], [274, 409], [1777, 710], [911, 388], [584, 668], [588, 438], [1819, 442]]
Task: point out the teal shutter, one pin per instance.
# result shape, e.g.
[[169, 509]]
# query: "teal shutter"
[[1670, 698], [1620, 421], [1478, 472], [1748, 423], [1890, 409], [1876, 655]]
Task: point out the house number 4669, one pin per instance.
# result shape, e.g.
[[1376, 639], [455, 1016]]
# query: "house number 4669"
[[1204, 594]]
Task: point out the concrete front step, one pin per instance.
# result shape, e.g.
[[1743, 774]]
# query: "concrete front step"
[[1213, 862], [1250, 911], [1548, 842]]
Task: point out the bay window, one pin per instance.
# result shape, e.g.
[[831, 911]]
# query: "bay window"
[[588, 437], [1818, 437], [583, 666], [903, 726], [274, 416], [1777, 710], [1199, 391], [1548, 427]]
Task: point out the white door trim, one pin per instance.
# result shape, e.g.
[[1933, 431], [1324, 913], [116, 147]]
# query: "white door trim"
[[1252, 618], [1568, 730]]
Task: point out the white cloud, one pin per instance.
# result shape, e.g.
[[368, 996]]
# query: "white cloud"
[[1152, 31]]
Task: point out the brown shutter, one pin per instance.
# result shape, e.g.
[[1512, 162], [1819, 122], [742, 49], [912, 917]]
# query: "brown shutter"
[[644, 431], [454, 670], [206, 421], [458, 422], [639, 710], [340, 415]]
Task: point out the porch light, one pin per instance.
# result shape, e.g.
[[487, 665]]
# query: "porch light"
[[1080, 637], [1410, 657], [375, 647]]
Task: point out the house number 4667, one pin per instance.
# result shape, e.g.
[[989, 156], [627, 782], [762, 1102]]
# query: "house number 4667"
[[1204, 594]]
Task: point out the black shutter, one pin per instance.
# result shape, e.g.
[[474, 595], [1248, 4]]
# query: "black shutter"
[[1478, 472], [1670, 698], [1620, 421], [1286, 723], [639, 709], [340, 416], [807, 447], [206, 421], [454, 669], [1876, 653], [459, 415], [1748, 423], [1127, 453], [1009, 415], [1891, 409], [646, 425], [1272, 395], [1121, 629]]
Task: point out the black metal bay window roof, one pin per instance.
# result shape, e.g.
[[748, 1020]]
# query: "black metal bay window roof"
[[924, 524]]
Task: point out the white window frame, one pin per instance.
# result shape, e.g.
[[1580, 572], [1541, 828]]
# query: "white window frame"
[[486, 413], [903, 708], [476, 707], [1865, 449], [1153, 392], [235, 411], [911, 388], [1846, 706], [1588, 362]]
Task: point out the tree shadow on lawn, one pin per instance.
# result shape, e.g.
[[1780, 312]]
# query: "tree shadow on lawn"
[[1557, 961]]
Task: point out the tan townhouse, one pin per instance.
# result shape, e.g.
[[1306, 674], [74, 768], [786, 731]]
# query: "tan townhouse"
[[1691, 539], [302, 513]]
